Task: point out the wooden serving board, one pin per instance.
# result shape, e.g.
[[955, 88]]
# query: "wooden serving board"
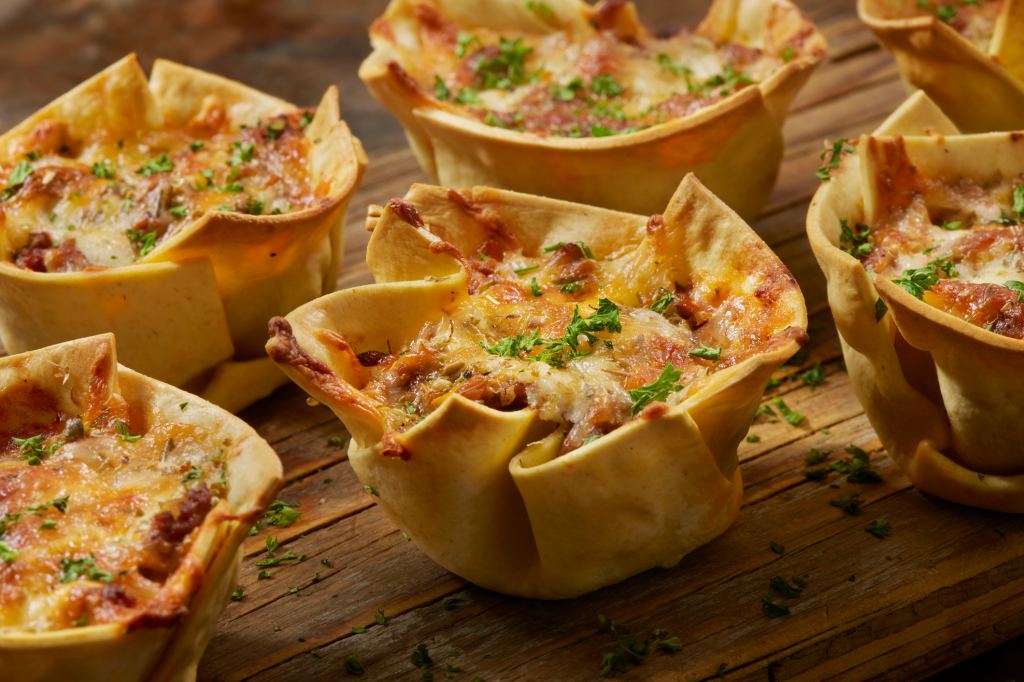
[[946, 584]]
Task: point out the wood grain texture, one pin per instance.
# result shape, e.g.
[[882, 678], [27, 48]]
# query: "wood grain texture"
[[947, 585]]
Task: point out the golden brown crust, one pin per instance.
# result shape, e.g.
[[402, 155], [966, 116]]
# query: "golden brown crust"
[[980, 89], [638, 171], [534, 526], [160, 636], [192, 312], [943, 394]]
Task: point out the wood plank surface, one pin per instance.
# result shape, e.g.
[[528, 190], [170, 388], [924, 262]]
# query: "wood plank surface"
[[945, 586]]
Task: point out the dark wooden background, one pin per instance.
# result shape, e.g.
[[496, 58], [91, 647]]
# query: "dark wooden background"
[[294, 49]]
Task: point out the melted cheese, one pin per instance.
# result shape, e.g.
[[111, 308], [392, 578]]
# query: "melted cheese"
[[555, 84], [587, 393], [972, 226], [80, 529], [110, 201]]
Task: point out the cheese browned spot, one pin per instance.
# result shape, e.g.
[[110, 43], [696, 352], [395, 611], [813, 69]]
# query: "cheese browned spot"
[[72, 204], [98, 511], [607, 81]]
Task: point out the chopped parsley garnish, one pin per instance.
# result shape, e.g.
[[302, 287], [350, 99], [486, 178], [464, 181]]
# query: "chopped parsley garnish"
[[524, 270], [421, 657], [102, 169], [280, 559], [177, 212], [831, 158], [879, 527], [48, 524], [790, 415], [337, 441], [583, 247], [193, 474], [730, 78], [32, 449], [354, 666], [816, 456], [848, 502], [570, 287], [916, 281], [880, 309], [463, 41], [73, 569], [16, 179], [7, 553], [160, 164], [705, 352], [559, 351], [858, 467], [776, 548], [514, 346], [953, 225], [813, 376], [123, 433], [535, 287], [567, 92], [606, 86], [505, 69], [280, 513], [541, 9], [666, 64], [656, 391], [233, 188], [146, 241], [783, 588], [441, 90], [243, 153], [238, 593], [197, 145], [753, 438], [1016, 285], [787, 54], [467, 96], [255, 206], [275, 128], [598, 130], [662, 303], [58, 503], [631, 650], [307, 118], [855, 241], [379, 618], [1018, 201]]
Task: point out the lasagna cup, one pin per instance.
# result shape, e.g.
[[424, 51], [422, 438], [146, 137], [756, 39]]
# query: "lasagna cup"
[[547, 396], [125, 502], [968, 55], [919, 234], [582, 103], [180, 213]]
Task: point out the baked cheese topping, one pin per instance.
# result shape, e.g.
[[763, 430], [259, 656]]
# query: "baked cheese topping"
[[588, 340], [98, 513], [81, 204], [975, 20], [954, 243], [553, 84]]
